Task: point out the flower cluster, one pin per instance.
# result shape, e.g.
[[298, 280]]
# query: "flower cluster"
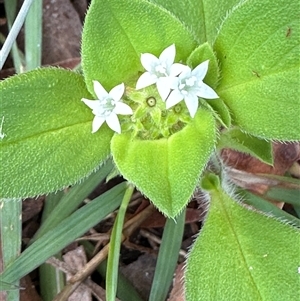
[[174, 81]]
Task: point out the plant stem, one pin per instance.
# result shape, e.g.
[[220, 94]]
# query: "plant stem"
[[115, 246], [14, 31]]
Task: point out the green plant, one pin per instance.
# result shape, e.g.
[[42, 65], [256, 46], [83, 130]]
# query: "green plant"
[[239, 80]]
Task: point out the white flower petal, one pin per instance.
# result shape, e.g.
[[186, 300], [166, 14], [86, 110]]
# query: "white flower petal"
[[97, 122], [113, 122], [192, 103], [168, 55], [117, 92], [201, 70], [148, 61], [99, 90], [174, 98], [187, 72], [163, 87], [122, 108], [178, 68], [173, 82], [92, 104], [145, 80], [206, 91]]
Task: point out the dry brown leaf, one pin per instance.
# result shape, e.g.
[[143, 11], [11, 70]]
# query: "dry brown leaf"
[[76, 259]]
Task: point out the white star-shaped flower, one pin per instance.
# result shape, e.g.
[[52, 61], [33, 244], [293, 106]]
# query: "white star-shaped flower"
[[159, 70], [189, 86], [107, 106]]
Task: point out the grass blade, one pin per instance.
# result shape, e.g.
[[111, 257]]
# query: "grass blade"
[[33, 35], [115, 246], [125, 290], [64, 233], [286, 195], [10, 12], [71, 200], [267, 207], [51, 279], [11, 236], [13, 33], [167, 258]]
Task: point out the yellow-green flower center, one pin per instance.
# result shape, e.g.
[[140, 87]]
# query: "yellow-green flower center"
[[150, 119]]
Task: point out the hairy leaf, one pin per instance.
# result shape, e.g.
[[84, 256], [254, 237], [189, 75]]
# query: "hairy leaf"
[[242, 254], [258, 49], [117, 32], [237, 140], [47, 141], [203, 17], [167, 170]]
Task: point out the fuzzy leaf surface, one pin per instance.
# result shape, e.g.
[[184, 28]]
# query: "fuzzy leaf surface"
[[237, 140], [203, 17], [200, 54], [242, 254], [47, 142], [167, 170], [117, 32], [258, 49]]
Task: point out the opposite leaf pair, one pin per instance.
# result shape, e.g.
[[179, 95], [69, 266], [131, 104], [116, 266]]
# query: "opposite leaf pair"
[[174, 82]]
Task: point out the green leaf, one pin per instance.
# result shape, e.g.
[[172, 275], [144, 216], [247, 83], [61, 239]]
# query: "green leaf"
[[220, 111], [116, 32], [167, 257], [47, 142], [287, 195], [33, 35], [64, 233], [115, 247], [200, 54], [125, 289], [242, 255], [242, 142], [11, 241], [71, 200], [258, 49], [203, 18], [8, 286], [269, 208], [167, 170]]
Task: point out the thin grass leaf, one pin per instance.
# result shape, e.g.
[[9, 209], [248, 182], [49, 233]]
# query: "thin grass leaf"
[[13, 33], [72, 199], [10, 12], [33, 35], [297, 210], [286, 195], [268, 208], [51, 201], [167, 258], [7, 286], [241, 254], [11, 237], [51, 279], [125, 289], [115, 246], [64, 233]]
